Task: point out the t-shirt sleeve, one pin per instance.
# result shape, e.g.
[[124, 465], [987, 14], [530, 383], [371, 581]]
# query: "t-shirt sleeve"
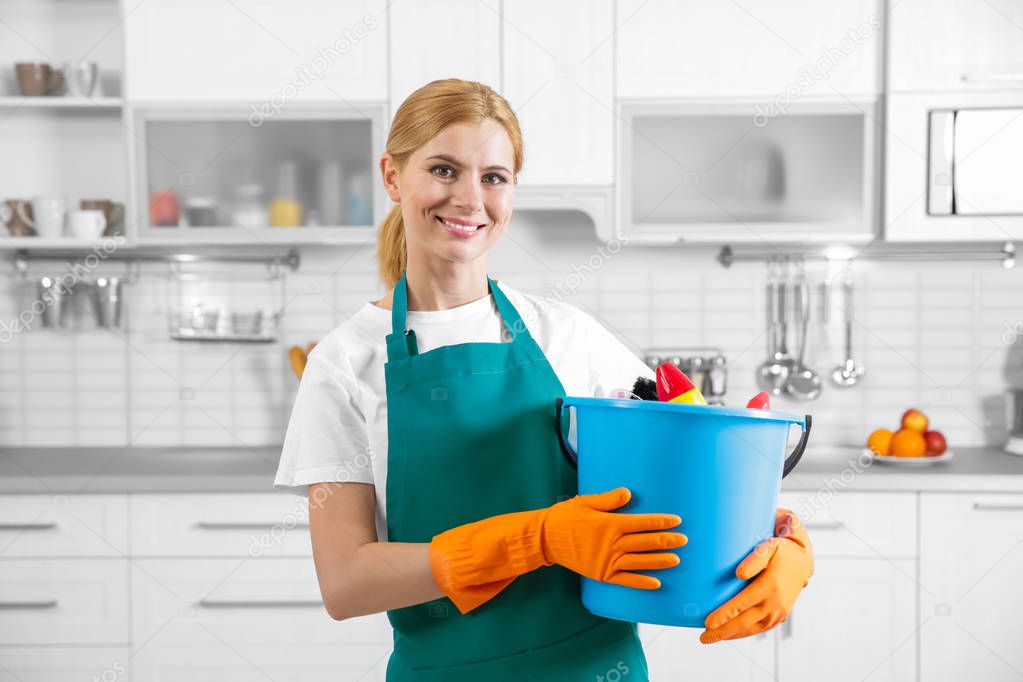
[[327, 436], [612, 364]]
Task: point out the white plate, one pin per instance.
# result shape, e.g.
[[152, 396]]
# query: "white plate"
[[911, 461]]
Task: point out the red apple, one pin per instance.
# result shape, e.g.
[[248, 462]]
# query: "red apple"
[[935, 443], [915, 420]]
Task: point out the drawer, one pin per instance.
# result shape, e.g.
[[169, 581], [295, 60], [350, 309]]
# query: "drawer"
[[857, 524], [64, 601], [209, 525], [63, 525], [238, 603], [63, 664]]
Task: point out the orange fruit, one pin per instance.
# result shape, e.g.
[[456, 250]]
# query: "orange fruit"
[[908, 443], [914, 419], [880, 442]]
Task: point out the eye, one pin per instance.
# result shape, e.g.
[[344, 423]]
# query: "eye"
[[496, 179], [438, 171]]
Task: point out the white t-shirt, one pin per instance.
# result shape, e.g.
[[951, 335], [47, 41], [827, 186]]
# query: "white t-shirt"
[[338, 426]]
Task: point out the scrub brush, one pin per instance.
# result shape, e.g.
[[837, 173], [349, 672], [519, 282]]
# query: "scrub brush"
[[645, 389]]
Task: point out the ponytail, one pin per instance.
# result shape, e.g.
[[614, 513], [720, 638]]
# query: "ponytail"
[[391, 255]]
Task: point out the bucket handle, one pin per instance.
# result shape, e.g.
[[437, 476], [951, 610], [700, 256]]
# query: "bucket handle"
[[797, 452], [570, 455], [790, 462]]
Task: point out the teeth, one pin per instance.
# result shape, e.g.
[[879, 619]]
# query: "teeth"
[[461, 228]]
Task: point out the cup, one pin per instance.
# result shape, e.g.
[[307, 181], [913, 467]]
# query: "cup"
[[37, 79], [107, 299], [82, 77], [47, 216], [55, 299], [87, 223], [112, 211]]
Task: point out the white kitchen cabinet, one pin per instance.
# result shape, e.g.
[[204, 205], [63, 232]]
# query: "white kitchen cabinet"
[[59, 664], [712, 171], [63, 526], [64, 601], [558, 77], [237, 617], [778, 50], [954, 45], [425, 46], [869, 525], [677, 654], [854, 621], [971, 559], [258, 51]]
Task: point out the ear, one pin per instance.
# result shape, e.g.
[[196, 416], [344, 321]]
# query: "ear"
[[389, 173]]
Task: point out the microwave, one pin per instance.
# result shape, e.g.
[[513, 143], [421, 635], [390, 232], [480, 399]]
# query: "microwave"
[[975, 162]]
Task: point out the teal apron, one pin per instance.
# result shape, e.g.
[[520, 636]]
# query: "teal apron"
[[471, 435]]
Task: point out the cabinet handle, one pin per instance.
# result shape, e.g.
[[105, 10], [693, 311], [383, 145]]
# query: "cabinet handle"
[[823, 525], [256, 604], [992, 78], [215, 525], [12, 605], [27, 526], [985, 506]]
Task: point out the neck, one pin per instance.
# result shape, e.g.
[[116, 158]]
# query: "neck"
[[445, 285]]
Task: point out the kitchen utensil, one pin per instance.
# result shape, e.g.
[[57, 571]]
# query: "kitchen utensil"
[[774, 372], [286, 208], [36, 79], [106, 295], [247, 323], [719, 468], [11, 212], [249, 206], [47, 216], [359, 207], [201, 212], [1014, 421], [803, 383], [86, 223], [55, 302], [848, 373], [330, 193], [82, 77]]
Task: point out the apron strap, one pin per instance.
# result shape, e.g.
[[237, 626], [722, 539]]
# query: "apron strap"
[[401, 342]]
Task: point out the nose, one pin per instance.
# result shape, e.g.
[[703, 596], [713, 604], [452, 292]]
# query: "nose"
[[468, 195]]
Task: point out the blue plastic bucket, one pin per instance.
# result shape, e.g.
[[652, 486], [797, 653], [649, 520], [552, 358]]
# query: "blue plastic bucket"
[[718, 468]]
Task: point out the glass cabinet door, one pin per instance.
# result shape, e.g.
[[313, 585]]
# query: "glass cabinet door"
[[221, 175]]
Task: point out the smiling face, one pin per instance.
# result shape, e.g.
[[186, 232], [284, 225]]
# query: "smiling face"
[[456, 192]]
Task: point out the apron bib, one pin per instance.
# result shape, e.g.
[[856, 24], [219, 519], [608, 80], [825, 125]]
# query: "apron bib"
[[471, 435]]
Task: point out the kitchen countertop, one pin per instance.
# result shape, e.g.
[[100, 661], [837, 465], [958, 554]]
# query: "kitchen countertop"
[[70, 470]]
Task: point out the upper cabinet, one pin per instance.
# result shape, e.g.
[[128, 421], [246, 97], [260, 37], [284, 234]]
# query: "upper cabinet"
[[955, 45], [558, 77], [690, 48], [260, 51], [418, 56]]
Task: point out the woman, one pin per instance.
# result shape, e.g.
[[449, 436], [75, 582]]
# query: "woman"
[[436, 402]]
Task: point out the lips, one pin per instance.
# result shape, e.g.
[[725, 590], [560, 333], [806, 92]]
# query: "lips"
[[460, 227]]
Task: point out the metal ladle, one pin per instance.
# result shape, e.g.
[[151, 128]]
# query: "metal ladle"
[[848, 373], [774, 372], [803, 383]]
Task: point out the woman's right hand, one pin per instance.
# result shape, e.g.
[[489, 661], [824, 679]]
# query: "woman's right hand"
[[585, 536]]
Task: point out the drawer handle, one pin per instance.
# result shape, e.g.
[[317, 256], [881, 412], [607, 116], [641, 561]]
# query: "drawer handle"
[[214, 525], [12, 605], [823, 525], [997, 507], [256, 604], [28, 526]]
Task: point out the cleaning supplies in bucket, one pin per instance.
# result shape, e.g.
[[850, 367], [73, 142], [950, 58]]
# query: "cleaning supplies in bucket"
[[718, 468]]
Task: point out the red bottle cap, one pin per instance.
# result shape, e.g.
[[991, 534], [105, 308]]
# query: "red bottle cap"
[[761, 401], [672, 382]]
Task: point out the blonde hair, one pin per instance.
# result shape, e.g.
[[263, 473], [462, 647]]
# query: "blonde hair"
[[420, 118]]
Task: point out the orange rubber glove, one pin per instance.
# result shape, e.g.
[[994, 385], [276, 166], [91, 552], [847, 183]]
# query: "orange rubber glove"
[[472, 563], [784, 564]]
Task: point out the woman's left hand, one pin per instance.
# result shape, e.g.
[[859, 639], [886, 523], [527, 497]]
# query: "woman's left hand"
[[784, 564]]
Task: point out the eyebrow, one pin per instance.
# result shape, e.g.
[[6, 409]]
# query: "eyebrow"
[[452, 160]]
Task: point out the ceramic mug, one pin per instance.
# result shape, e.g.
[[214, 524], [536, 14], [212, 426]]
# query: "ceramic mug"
[[37, 79], [87, 223], [10, 215], [47, 216], [112, 211]]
